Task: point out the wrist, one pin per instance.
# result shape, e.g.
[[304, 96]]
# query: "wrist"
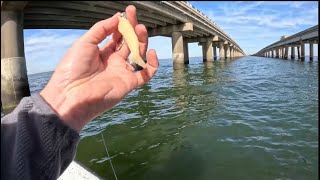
[[61, 105]]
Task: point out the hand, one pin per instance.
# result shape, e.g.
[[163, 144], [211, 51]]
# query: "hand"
[[90, 80]]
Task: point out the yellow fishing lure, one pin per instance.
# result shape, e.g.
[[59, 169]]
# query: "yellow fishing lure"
[[129, 35]]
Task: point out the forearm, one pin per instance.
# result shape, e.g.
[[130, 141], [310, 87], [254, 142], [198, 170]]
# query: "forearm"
[[35, 143]]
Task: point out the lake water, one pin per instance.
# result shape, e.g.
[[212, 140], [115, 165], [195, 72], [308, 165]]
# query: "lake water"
[[249, 118]]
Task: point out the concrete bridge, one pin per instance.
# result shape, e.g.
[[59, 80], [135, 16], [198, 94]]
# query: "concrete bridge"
[[176, 19], [280, 49]]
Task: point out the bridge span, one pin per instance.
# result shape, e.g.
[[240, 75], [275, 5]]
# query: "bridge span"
[[280, 49], [176, 19]]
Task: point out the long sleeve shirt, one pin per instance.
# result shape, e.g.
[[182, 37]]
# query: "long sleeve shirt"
[[35, 143]]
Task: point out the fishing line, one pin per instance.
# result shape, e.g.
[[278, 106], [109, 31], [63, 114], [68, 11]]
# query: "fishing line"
[[105, 144]]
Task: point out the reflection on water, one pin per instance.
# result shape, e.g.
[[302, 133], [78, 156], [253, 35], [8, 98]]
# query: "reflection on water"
[[248, 118]]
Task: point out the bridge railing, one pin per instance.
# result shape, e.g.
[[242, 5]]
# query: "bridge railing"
[[203, 19]]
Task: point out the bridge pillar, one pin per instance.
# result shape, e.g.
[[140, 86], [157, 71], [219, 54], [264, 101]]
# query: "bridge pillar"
[[286, 52], [298, 51], [227, 51], [233, 50], [177, 50], [302, 51], [204, 51], [280, 53], [14, 79], [186, 52], [214, 51], [277, 52], [292, 52], [221, 51], [311, 51], [209, 50]]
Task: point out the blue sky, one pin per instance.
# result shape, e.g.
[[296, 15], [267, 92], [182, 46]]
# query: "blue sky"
[[253, 25]]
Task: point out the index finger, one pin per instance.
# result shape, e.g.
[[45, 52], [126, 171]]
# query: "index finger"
[[99, 31], [133, 15]]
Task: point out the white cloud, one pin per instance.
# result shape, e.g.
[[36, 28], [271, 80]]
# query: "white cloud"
[[234, 10], [261, 23], [45, 48]]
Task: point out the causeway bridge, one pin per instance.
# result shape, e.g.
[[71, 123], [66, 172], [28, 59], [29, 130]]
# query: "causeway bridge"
[[176, 19], [280, 49]]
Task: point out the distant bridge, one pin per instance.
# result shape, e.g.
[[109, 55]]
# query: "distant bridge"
[[280, 49], [176, 19]]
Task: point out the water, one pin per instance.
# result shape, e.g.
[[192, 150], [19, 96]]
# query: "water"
[[250, 118]]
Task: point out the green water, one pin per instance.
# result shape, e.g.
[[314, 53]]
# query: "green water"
[[250, 118]]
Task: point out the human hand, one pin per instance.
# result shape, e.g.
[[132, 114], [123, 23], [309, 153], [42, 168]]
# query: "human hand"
[[90, 80]]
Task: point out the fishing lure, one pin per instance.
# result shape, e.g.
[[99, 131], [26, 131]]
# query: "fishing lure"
[[127, 31]]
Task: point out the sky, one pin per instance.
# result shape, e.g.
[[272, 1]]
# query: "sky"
[[253, 25]]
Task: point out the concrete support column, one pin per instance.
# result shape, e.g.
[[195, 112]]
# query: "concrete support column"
[[272, 53], [221, 50], [311, 52], [14, 79], [214, 52], [277, 52], [292, 52], [177, 50], [186, 52], [302, 51], [286, 52], [227, 51], [231, 52], [204, 51], [209, 50], [298, 51]]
